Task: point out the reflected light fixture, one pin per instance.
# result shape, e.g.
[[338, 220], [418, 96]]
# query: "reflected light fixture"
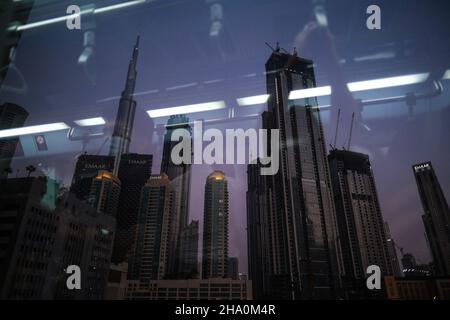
[[33, 129], [362, 85], [90, 122], [193, 108], [249, 101]]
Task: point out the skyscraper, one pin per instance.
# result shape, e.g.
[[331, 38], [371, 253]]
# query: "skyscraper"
[[105, 191], [86, 169], [392, 249], [436, 217], [188, 261], [215, 227], [123, 127], [362, 236], [150, 259], [260, 242], [180, 177], [11, 116], [297, 238], [134, 171]]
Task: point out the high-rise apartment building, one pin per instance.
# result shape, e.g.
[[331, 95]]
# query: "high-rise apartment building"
[[362, 236], [134, 172], [39, 242], [151, 255], [436, 217], [297, 240], [180, 178], [215, 227], [86, 169], [105, 191], [188, 258], [393, 254]]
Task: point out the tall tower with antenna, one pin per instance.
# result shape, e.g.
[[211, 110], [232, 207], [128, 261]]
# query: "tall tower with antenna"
[[123, 127]]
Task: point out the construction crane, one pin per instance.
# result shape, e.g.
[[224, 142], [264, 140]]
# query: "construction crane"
[[351, 131], [337, 128]]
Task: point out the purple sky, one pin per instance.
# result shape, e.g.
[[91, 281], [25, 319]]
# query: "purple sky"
[[176, 49]]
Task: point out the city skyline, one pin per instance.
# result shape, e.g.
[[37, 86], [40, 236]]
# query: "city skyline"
[[302, 225], [105, 156]]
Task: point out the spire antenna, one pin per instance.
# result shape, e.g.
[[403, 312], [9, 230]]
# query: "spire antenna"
[[337, 128], [351, 131], [137, 40]]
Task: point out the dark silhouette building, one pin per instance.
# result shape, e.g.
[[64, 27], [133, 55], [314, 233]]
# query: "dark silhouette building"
[[40, 240], [260, 243], [180, 177], [362, 236], [436, 217], [11, 116], [393, 254], [188, 261], [123, 126], [151, 258], [134, 171], [296, 239], [233, 268], [105, 191], [215, 227], [86, 169]]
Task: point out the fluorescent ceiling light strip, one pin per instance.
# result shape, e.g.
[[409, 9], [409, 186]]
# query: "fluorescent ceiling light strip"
[[446, 75], [387, 82], [165, 112], [376, 56], [90, 122], [249, 101], [33, 129], [72, 16], [45, 22], [364, 85], [310, 92], [119, 6]]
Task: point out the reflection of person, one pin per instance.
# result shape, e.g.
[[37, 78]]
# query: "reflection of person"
[[316, 42]]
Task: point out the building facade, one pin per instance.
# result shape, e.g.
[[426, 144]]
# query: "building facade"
[[105, 192], [215, 227], [180, 177], [40, 241], [418, 288], [188, 261], [233, 268], [11, 116], [363, 240], [86, 169], [436, 217], [151, 255], [134, 172], [299, 232], [393, 254], [189, 289]]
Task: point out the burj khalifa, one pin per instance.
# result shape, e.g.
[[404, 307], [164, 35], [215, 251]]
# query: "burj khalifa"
[[123, 127]]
